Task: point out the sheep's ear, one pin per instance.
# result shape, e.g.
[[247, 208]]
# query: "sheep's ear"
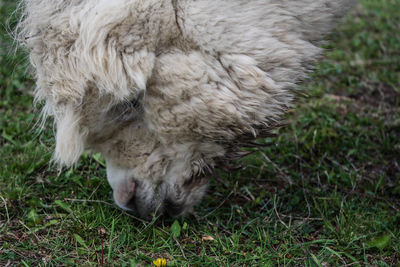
[[70, 138]]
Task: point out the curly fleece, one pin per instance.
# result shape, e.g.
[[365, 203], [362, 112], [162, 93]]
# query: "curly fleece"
[[164, 87]]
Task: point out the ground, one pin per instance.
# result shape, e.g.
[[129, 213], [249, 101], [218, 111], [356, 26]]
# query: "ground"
[[325, 192]]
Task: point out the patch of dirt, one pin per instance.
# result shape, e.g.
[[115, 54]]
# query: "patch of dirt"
[[377, 94], [393, 169]]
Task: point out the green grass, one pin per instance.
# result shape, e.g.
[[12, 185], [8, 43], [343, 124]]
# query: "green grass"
[[331, 197]]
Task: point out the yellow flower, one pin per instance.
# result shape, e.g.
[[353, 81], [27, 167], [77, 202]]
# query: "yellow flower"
[[160, 262]]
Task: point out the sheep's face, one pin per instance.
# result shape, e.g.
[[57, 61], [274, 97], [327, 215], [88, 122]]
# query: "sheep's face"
[[149, 174]]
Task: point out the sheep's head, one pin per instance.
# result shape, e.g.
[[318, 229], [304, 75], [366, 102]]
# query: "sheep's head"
[[160, 119], [149, 173], [93, 74]]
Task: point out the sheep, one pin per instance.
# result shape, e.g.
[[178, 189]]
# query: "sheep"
[[166, 90]]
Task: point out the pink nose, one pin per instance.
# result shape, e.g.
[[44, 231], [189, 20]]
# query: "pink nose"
[[125, 192]]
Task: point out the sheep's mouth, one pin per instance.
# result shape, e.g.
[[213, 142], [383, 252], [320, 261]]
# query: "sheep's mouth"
[[174, 209]]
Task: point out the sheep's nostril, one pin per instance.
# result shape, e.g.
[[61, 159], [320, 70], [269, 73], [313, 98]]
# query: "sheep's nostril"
[[125, 193], [131, 204], [173, 209]]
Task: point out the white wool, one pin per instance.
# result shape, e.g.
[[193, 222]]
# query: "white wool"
[[163, 88], [70, 139]]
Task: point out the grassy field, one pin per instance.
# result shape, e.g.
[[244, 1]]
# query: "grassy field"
[[326, 192]]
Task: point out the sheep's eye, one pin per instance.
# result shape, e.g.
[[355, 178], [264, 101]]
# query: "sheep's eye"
[[126, 111]]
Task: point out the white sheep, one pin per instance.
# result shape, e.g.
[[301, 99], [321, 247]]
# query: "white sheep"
[[167, 89]]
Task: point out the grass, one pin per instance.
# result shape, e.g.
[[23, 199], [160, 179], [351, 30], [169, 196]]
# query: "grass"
[[326, 192]]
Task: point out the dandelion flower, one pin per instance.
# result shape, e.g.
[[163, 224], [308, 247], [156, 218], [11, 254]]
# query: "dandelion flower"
[[160, 262]]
